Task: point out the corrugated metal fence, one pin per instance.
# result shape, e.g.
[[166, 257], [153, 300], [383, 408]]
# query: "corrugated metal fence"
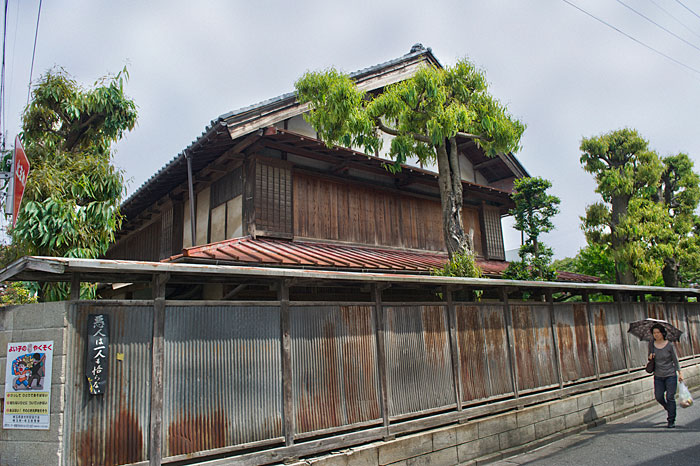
[[223, 387]]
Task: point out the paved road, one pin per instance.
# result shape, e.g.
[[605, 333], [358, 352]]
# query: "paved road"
[[638, 439]]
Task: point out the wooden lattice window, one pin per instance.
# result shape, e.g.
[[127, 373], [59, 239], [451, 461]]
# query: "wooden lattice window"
[[273, 198], [493, 232], [166, 233]]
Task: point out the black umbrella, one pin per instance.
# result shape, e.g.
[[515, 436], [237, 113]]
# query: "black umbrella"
[[642, 329]]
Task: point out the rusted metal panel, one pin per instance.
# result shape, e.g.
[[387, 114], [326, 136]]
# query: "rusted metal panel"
[[639, 350], [675, 315], [222, 377], [334, 366], [693, 311], [575, 349], [483, 349], [419, 367], [113, 428], [608, 338], [534, 346]]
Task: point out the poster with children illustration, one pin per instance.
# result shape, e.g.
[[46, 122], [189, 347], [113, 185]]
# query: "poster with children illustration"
[[28, 385]]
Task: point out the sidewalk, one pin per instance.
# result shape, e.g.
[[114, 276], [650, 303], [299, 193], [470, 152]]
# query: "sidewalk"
[[639, 439]]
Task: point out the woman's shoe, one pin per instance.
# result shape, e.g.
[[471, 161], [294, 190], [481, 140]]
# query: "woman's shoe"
[[671, 424]]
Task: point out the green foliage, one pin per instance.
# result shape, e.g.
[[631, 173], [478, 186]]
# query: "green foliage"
[[627, 173], [533, 213], [677, 244], [424, 114], [460, 265], [71, 201], [646, 220], [594, 260], [421, 112], [17, 293]]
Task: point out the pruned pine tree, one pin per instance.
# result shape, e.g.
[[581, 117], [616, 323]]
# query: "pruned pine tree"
[[533, 213]]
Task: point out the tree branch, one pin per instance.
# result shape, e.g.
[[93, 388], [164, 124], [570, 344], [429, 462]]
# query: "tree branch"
[[471, 136], [393, 132]]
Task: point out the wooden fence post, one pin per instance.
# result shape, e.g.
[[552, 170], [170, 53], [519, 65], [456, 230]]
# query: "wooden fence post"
[[617, 297], [591, 333], [157, 363], [454, 347], [75, 287], [380, 323], [286, 348], [555, 337], [510, 337]]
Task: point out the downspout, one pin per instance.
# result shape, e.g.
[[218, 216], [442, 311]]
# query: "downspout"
[[190, 185]]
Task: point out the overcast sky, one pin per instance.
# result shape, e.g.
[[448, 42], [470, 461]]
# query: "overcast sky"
[[561, 72]]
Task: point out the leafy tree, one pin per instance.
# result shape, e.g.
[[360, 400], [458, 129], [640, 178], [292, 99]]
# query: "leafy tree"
[[459, 265], [679, 194], [12, 293], [427, 115], [627, 174], [593, 259], [71, 201], [533, 213]]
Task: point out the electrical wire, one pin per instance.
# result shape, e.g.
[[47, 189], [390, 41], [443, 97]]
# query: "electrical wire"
[[31, 70], [683, 5], [2, 79], [658, 25], [688, 67], [676, 19]]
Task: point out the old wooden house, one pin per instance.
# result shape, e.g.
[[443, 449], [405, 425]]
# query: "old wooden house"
[[258, 187]]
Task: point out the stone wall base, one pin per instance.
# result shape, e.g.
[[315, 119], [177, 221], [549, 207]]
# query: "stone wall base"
[[488, 439]]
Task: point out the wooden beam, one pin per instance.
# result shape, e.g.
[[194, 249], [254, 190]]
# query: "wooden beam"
[[487, 163], [380, 324], [286, 348], [510, 341], [555, 337], [454, 347], [157, 364]]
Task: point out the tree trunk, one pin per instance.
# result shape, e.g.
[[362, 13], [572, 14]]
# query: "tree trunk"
[[623, 269], [670, 272], [450, 184]]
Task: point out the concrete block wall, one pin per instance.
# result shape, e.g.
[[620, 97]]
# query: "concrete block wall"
[[35, 322], [488, 439]]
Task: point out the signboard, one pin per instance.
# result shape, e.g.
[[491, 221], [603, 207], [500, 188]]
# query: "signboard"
[[97, 353], [20, 167], [28, 385]]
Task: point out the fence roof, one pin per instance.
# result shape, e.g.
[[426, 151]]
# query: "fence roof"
[[62, 269]]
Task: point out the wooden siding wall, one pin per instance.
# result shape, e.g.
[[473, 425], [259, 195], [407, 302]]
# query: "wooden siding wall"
[[144, 245], [326, 209]]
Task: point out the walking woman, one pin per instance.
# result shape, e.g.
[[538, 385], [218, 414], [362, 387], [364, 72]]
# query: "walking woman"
[[665, 367]]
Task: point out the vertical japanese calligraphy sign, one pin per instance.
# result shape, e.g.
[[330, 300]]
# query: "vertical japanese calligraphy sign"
[[28, 385], [97, 359]]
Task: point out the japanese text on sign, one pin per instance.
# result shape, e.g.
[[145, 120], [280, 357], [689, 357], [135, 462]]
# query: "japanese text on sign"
[[97, 353]]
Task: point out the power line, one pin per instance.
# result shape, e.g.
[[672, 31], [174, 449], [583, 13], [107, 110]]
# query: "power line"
[[658, 25], [31, 70], [695, 70], [683, 5], [676, 19], [2, 79]]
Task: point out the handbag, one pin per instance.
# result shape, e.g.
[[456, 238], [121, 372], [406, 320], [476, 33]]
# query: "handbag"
[[652, 362]]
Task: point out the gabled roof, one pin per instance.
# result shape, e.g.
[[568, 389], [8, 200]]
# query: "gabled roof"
[[334, 256], [230, 129]]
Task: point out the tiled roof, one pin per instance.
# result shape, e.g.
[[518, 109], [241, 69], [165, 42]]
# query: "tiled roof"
[[319, 255], [216, 130]]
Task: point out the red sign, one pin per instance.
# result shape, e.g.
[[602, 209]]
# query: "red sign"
[[21, 171]]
